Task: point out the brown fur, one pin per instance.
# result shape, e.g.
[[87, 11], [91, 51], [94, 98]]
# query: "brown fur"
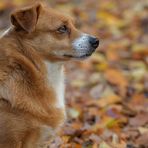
[[27, 102]]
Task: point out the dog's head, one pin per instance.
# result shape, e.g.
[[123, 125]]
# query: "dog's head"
[[52, 34]]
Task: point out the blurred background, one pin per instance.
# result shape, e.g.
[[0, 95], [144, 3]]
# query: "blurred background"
[[107, 95]]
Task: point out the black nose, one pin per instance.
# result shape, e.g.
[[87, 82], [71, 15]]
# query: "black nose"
[[94, 42]]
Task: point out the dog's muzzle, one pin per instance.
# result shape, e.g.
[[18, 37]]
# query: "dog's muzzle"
[[85, 45]]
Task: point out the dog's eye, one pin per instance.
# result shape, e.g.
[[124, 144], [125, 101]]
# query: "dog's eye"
[[63, 29]]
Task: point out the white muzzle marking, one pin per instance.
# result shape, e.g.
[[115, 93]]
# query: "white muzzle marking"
[[81, 44]]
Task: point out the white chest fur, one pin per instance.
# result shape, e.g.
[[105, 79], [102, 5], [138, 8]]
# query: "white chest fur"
[[56, 81]]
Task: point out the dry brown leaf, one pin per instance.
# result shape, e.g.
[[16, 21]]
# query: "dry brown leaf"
[[116, 77], [143, 140], [140, 120], [109, 100]]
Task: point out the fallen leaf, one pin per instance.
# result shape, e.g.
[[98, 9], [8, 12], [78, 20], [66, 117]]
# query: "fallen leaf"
[[73, 113], [95, 138], [140, 120], [143, 130], [116, 77], [104, 145], [96, 91], [143, 140], [109, 100]]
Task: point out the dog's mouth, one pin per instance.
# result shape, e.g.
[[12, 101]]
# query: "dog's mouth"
[[84, 56]]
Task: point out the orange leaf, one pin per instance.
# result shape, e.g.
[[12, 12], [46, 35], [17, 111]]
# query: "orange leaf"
[[115, 77]]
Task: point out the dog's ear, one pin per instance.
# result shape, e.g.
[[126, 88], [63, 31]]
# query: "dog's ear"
[[26, 19]]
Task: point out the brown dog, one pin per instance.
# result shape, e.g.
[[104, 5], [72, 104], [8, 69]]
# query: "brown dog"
[[32, 53]]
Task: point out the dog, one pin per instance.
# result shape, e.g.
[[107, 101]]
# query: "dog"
[[32, 54]]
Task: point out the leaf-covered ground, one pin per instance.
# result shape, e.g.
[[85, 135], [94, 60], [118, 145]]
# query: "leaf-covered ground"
[[107, 95]]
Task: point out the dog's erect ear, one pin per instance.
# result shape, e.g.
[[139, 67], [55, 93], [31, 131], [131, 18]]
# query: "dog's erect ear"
[[26, 19]]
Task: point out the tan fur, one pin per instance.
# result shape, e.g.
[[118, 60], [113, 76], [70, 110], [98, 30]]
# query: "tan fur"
[[27, 102]]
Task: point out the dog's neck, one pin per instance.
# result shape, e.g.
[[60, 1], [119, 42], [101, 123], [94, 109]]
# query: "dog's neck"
[[56, 80]]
